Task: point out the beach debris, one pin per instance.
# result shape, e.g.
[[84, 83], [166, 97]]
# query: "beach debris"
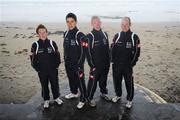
[[19, 36], [13, 27], [22, 51], [25, 50], [5, 51], [56, 32], [30, 28], [2, 36], [16, 36], [33, 35], [3, 44], [24, 36]]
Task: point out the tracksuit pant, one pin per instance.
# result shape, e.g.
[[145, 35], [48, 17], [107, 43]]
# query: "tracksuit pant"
[[121, 71], [72, 74], [45, 78], [100, 74], [82, 85]]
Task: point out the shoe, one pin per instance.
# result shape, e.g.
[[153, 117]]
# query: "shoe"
[[71, 95], [129, 104], [105, 97], [46, 104], [92, 103], [58, 101], [115, 99], [80, 105]]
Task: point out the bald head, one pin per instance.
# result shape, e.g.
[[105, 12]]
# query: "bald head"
[[125, 24]]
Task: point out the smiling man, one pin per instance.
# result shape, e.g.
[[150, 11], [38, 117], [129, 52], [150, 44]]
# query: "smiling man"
[[74, 57], [99, 51], [45, 59], [125, 54]]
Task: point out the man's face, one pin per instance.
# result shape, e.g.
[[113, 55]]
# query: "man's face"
[[42, 33], [125, 25], [71, 23], [96, 24]]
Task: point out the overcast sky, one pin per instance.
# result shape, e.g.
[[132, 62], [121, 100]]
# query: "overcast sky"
[[158, 10], [91, 0]]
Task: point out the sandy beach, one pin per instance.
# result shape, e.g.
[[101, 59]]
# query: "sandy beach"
[[158, 68]]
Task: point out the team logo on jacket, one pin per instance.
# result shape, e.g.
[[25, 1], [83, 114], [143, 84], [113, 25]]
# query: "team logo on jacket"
[[104, 41], [40, 50], [96, 43], [128, 45], [73, 42], [50, 50]]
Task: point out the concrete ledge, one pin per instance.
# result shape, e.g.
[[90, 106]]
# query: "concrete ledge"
[[147, 106]]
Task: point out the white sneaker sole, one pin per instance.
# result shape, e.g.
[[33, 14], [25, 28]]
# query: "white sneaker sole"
[[59, 103], [115, 101], [128, 106], [80, 107], [71, 97]]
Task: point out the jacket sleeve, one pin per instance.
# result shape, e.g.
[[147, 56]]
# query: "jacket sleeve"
[[137, 49], [89, 56], [81, 38], [112, 45], [33, 57], [57, 55]]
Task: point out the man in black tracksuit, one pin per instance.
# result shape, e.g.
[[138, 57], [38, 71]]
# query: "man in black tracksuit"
[[74, 57], [100, 59], [45, 59], [125, 53]]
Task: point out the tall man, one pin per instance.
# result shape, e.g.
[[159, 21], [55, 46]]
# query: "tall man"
[[74, 57], [125, 53], [75, 50], [99, 51]]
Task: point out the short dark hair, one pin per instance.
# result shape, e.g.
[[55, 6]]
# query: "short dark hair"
[[40, 26], [71, 15]]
